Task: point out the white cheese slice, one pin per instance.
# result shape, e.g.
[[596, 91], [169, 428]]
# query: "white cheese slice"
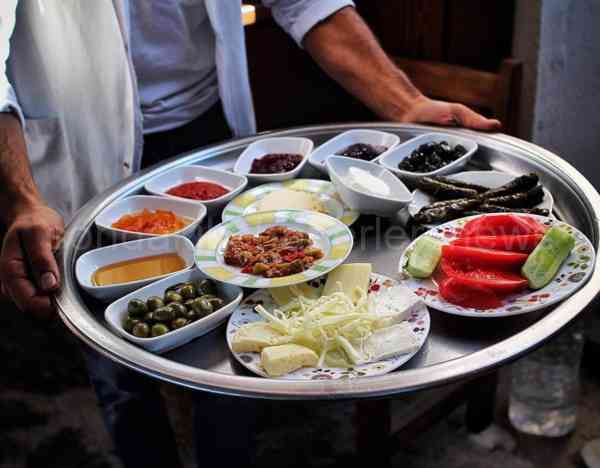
[[350, 276], [281, 360], [394, 305], [390, 341], [253, 337], [284, 294], [289, 200]]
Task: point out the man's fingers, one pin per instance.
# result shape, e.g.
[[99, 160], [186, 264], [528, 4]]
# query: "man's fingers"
[[465, 117], [38, 246], [16, 283]]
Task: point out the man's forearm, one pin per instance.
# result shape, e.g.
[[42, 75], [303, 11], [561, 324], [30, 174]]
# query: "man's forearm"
[[18, 188], [344, 46]]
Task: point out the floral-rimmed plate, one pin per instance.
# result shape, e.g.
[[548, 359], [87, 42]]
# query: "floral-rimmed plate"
[[324, 191], [329, 234], [491, 179], [245, 314], [573, 274]]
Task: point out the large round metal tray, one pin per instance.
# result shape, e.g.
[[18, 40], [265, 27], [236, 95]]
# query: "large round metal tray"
[[457, 347]]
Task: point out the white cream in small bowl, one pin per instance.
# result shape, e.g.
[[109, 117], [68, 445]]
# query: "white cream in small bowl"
[[367, 187]]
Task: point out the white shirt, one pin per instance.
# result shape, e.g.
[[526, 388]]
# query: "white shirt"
[[67, 71], [173, 53]]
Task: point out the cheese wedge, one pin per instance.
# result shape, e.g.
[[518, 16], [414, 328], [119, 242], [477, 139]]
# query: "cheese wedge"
[[390, 341], [283, 359], [350, 276], [283, 295], [253, 337], [394, 305]]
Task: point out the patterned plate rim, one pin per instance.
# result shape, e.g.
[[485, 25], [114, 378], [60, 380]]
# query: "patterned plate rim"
[[339, 235], [421, 318], [534, 300], [236, 206]]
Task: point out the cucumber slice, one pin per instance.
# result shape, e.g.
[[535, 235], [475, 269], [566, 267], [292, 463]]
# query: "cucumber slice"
[[545, 260], [424, 258]]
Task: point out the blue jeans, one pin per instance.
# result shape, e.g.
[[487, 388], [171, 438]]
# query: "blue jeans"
[[135, 415]]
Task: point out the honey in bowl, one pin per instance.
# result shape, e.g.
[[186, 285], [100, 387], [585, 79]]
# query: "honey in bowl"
[[138, 269]]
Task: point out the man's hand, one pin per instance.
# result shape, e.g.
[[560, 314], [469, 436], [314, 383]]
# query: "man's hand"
[[28, 269], [425, 110]]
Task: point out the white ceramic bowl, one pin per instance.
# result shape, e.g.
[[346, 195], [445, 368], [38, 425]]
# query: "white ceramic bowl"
[[401, 152], [343, 140], [117, 311], [180, 175], [89, 262], [260, 148], [362, 200], [181, 207]]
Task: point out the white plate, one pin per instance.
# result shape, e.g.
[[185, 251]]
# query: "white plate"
[[260, 148], [491, 179], [247, 202], [245, 314], [363, 201], [573, 274], [401, 152], [180, 175], [343, 140], [193, 211], [332, 236], [89, 262], [117, 311]]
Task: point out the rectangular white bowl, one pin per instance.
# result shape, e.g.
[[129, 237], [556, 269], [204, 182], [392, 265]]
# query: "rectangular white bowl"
[[371, 137], [181, 207], [116, 312], [401, 152], [179, 175], [290, 145], [363, 201], [89, 262]]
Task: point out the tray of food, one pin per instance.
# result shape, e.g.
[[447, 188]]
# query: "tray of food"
[[333, 262]]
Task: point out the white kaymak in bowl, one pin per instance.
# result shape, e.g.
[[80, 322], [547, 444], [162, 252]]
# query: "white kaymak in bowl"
[[391, 159], [160, 184], [93, 260], [343, 140], [117, 311], [367, 187], [279, 145], [190, 211]]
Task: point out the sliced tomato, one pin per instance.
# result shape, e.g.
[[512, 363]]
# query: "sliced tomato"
[[457, 292], [525, 243], [502, 225], [474, 257], [499, 281]]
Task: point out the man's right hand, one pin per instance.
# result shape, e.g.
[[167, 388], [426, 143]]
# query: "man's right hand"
[[28, 269]]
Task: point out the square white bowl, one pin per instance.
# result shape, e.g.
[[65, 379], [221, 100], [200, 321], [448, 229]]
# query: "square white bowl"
[[371, 137], [361, 200], [181, 207], [180, 175], [260, 148], [401, 152], [116, 312], [89, 262]]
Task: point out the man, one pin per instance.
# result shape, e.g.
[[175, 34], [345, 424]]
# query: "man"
[[92, 89]]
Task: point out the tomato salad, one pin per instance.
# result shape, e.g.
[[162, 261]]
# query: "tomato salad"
[[277, 251], [492, 258]]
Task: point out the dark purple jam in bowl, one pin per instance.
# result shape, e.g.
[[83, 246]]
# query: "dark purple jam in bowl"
[[275, 163], [362, 151]]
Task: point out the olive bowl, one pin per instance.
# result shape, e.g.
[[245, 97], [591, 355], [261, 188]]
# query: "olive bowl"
[[116, 313]]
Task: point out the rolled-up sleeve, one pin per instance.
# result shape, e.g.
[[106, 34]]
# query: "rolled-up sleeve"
[[8, 99], [297, 17]]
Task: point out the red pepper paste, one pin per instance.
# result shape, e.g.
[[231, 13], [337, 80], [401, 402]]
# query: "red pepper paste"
[[198, 190]]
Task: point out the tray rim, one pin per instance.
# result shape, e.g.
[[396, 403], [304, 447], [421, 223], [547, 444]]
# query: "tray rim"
[[83, 324]]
